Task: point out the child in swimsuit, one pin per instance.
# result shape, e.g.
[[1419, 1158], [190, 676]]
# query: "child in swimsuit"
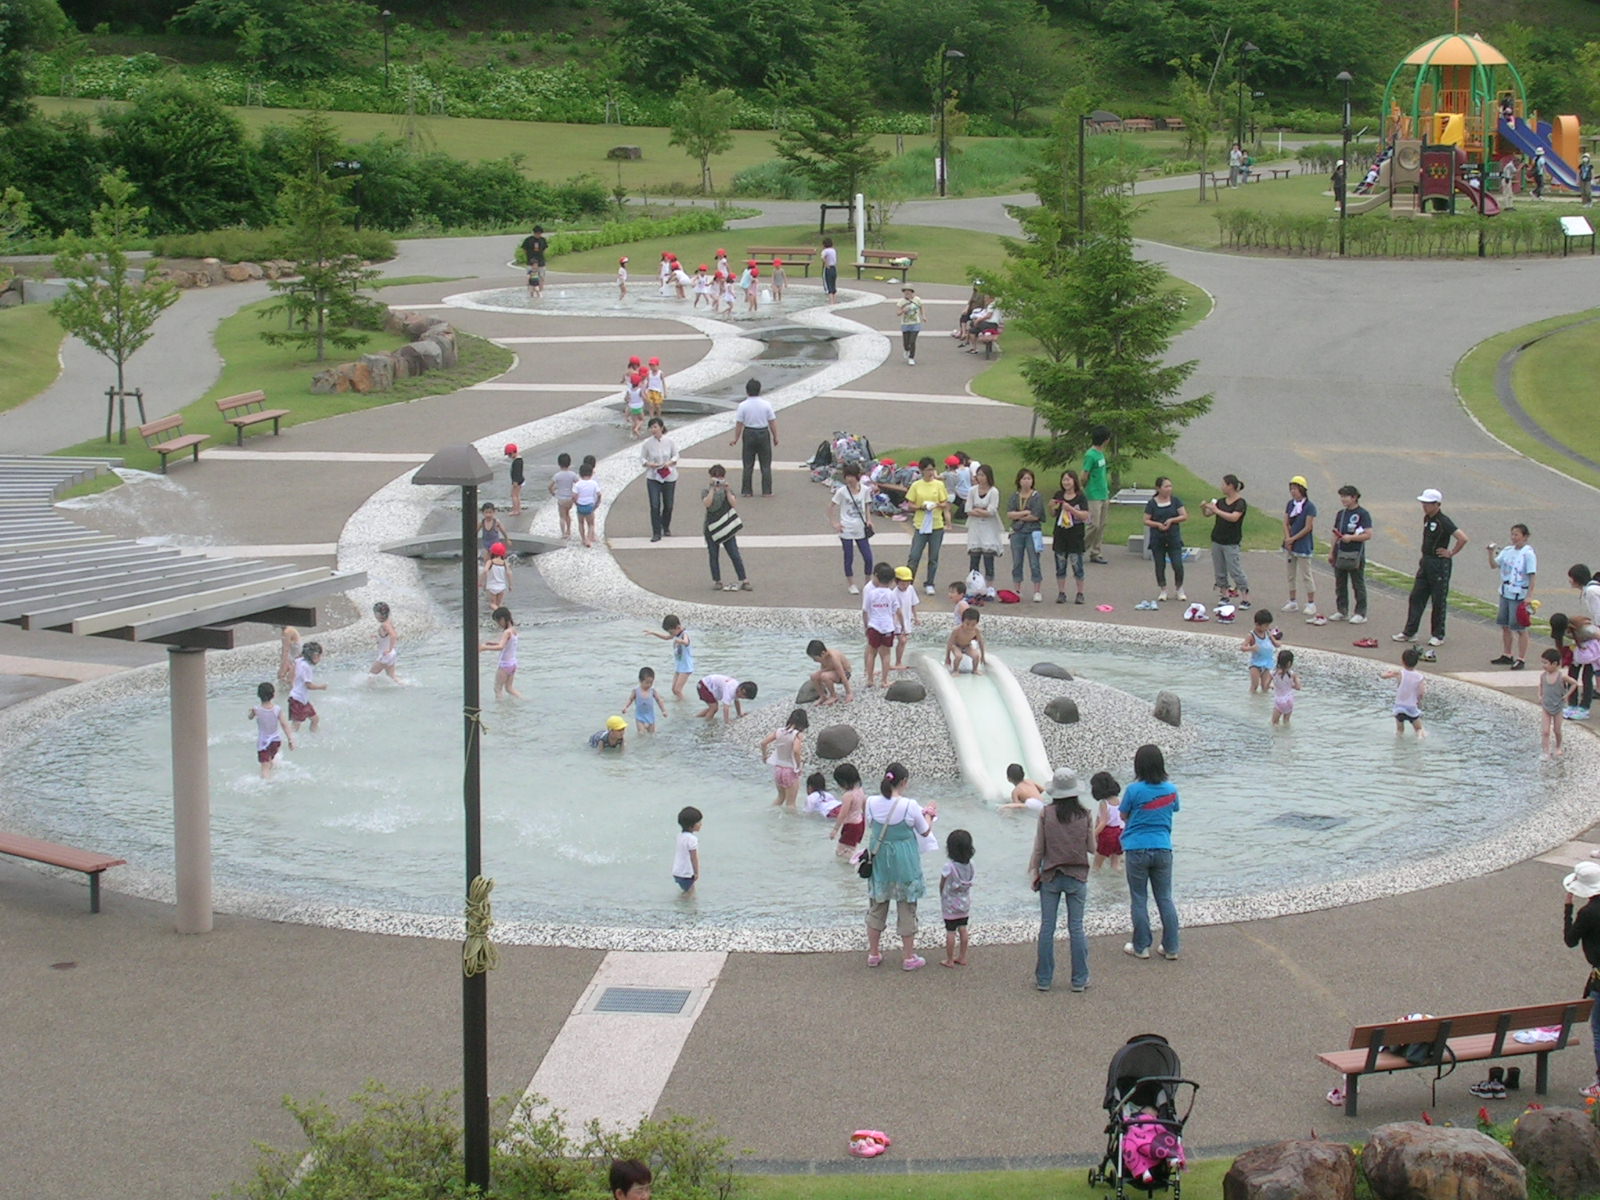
[[561, 488], [490, 530], [672, 630], [1285, 683], [1263, 646], [269, 729], [506, 669], [646, 704], [787, 753], [388, 643], [495, 578], [850, 822]]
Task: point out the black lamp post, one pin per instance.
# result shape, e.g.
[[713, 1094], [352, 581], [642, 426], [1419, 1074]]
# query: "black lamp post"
[[1245, 50], [463, 467], [387, 18], [1083, 213], [1345, 78], [944, 93]]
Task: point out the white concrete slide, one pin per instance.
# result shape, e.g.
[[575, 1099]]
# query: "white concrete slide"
[[990, 722]]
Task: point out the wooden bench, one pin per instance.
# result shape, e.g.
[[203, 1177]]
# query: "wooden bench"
[[87, 861], [166, 436], [1468, 1037], [1175, 123], [1275, 172], [790, 256], [1138, 125], [886, 260], [250, 408]]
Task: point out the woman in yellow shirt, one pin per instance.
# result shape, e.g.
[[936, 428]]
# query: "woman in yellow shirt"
[[930, 508]]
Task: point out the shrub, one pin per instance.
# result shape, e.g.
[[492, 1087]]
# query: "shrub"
[[256, 245], [617, 233]]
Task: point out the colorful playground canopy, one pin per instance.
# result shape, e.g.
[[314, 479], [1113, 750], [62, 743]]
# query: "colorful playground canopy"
[[1456, 50]]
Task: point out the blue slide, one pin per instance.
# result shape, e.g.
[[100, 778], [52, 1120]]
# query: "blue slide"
[[1527, 139]]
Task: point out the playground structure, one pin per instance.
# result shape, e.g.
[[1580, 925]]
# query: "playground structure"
[[1457, 125]]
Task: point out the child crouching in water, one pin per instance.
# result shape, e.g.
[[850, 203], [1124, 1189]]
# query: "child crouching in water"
[[819, 799], [1107, 820], [1285, 683], [955, 896], [270, 731]]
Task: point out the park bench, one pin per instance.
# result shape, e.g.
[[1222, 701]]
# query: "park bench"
[[1468, 1037], [1175, 123], [250, 408], [1138, 125], [90, 863], [166, 436], [886, 260], [1275, 172], [790, 256]]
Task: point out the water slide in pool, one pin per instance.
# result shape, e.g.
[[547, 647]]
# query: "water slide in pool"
[[991, 724]]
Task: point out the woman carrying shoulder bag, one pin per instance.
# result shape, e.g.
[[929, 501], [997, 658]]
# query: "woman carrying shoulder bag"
[[722, 531]]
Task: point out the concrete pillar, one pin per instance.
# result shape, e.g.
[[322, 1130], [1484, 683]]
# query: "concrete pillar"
[[191, 789]]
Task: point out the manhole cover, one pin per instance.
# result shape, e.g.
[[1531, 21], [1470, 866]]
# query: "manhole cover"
[[663, 1001], [1316, 821]]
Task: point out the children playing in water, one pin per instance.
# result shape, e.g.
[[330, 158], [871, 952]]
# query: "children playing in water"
[[1108, 822], [586, 499], [1025, 793], [506, 668], [495, 578], [288, 654], [955, 896], [645, 703], [881, 618], [724, 692], [672, 630], [490, 530], [784, 751], [1408, 693], [1285, 683], [561, 488], [300, 706], [819, 799], [612, 736], [966, 642], [779, 280], [269, 728], [1555, 693], [517, 477], [850, 822], [833, 669], [686, 857], [1262, 643], [388, 643], [958, 600]]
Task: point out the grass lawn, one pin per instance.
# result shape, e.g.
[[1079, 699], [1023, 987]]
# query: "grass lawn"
[[1202, 1179], [30, 342], [944, 255], [1551, 381], [1180, 219], [250, 364]]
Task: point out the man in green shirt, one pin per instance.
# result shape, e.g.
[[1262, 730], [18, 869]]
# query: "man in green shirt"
[[1097, 490]]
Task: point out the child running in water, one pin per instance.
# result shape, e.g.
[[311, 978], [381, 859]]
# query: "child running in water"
[[1285, 683], [955, 896], [586, 498], [672, 630], [388, 643], [506, 669], [269, 728], [1263, 646], [561, 488], [646, 704], [784, 751], [819, 799], [832, 668], [289, 652], [300, 706], [850, 822], [1107, 820], [1409, 693], [495, 578], [1555, 693]]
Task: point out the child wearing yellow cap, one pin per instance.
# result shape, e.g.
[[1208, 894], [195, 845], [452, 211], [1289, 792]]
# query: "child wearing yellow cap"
[[610, 738]]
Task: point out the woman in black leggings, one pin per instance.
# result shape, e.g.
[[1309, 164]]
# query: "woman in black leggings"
[[1588, 587]]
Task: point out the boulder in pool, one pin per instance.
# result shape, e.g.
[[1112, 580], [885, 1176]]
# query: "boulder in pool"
[[837, 741], [807, 693], [1051, 670], [906, 691], [1168, 708], [1063, 710]]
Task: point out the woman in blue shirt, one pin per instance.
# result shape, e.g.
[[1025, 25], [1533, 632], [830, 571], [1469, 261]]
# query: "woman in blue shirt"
[[1147, 807]]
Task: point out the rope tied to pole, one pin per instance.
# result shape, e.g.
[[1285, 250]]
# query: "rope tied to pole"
[[475, 716], [478, 953]]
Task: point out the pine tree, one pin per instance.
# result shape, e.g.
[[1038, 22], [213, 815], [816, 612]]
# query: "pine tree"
[[827, 139]]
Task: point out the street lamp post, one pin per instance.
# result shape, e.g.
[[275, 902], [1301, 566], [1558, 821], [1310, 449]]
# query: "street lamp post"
[[944, 92], [1345, 78], [1083, 213], [1244, 51], [387, 18], [463, 467]]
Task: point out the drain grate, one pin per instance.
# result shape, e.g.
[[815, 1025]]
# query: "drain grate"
[[1315, 821], [662, 1001]]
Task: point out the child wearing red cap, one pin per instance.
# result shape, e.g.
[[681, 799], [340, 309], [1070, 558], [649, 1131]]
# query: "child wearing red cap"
[[702, 287], [635, 401], [635, 363], [655, 387], [721, 259], [680, 279], [750, 284], [517, 477], [725, 297], [495, 578], [622, 278], [666, 271], [778, 280]]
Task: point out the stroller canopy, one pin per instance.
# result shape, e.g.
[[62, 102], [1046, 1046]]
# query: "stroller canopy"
[[1145, 1055]]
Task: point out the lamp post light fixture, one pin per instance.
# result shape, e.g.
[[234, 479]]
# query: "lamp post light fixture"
[[463, 467], [944, 104], [388, 18], [1345, 78], [1083, 212], [1245, 51]]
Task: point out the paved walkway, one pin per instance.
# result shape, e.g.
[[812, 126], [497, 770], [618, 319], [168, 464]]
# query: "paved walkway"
[[1321, 368]]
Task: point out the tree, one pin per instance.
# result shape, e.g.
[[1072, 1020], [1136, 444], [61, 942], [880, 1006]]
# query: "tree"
[[296, 38], [14, 218], [1193, 102], [702, 123], [105, 307], [25, 27], [827, 140], [324, 304], [1101, 317]]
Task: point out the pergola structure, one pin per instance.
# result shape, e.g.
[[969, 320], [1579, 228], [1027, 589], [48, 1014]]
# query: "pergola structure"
[[57, 575]]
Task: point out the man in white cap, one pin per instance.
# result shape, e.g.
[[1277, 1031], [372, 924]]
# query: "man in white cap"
[[1539, 169], [1584, 927], [1586, 180], [1441, 541]]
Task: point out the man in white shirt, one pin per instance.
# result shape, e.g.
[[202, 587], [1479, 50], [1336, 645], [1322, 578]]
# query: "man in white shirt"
[[757, 428]]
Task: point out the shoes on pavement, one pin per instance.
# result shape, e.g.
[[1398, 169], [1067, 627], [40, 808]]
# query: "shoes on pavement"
[[1169, 957], [1576, 714], [915, 963], [1518, 665], [744, 586], [911, 362], [1319, 619], [1127, 948], [1242, 604], [874, 959], [655, 537], [1161, 597], [928, 588], [1084, 987], [854, 590], [1292, 606], [1078, 599], [1311, 609], [1037, 598], [1503, 660], [1358, 619], [1366, 643], [1436, 641], [1400, 637], [1336, 616], [1146, 605], [1061, 597], [1182, 595], [1097, 558]]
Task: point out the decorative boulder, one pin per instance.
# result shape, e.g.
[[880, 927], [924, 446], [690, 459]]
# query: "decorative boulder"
[[416, 324], [1051, 671], [906, 691], [807, 693], [237, 273], [211, 268], [1168, 708], [394, 321], [429, 354], [10, 299], [328, 381], [837, 741], [401, 366], [443, 337], [1063, 710], [1412, 1161], [1294, 1170], [381, 369], [625, 152], [1562, 1145], [415, 363]]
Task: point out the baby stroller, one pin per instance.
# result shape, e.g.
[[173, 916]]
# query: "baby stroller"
[[1144, 1137]]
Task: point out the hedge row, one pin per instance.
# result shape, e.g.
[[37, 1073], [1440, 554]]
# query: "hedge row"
[[1381, 236]]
